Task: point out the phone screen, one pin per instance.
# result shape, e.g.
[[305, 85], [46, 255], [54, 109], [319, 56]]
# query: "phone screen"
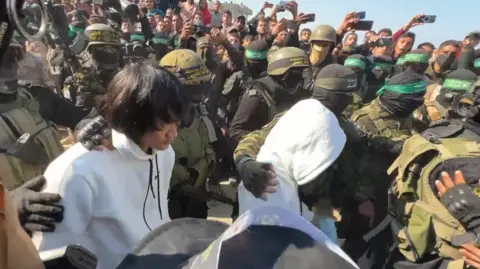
[[361, 15], [429, 19], [363, 25]]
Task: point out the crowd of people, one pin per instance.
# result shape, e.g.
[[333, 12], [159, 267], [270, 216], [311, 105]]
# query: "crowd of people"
[[119, 125]]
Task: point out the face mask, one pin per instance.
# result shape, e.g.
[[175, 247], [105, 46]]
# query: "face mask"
[[106, 57], [319, 53], [257, 68], [294, 80], [196, 93]]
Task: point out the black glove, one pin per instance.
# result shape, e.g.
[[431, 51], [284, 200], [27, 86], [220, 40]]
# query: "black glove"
[[255, 175], [37, 211], [463, 204], [91, 132]]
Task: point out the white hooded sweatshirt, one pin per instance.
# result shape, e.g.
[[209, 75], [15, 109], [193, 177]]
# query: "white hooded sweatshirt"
[[107, 198], [303, 144]]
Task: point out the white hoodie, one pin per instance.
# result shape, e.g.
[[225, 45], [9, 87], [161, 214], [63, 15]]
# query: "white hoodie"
[[303, 144], [103, 193]]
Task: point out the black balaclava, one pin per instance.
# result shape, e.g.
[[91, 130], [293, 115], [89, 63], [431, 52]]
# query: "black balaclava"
[[417, 60], [256, 54], [293, 79], [381, 69], [334, 87], [403, 93], [455, 85]]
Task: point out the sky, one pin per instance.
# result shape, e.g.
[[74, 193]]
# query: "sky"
[[455, 19]]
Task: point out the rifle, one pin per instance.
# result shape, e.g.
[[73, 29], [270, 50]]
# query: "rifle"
[[60, 25]]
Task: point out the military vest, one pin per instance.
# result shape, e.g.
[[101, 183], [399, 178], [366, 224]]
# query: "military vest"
[[193, 150], [28, 143], [384, 123], [423, 225], [267, 90]]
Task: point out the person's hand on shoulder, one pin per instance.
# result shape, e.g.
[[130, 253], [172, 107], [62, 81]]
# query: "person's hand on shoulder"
[[16, 248]]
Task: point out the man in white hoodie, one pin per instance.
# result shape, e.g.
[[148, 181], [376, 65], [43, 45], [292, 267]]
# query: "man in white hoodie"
[[113, 198], [300, 151]]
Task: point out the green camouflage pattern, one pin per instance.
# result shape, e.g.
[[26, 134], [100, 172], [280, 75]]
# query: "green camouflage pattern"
[[194, 154], [87, 84], [374, 121]]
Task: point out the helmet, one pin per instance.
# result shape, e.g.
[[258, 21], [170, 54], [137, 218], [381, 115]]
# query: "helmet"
[[280, 61], [324, 33], [101, 34], [187, 65]]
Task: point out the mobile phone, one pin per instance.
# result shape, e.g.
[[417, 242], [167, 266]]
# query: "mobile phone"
[[363, 25], [282, 5], [311, 17], [428, 19], [361, 15], [382, 42], [269, 5]]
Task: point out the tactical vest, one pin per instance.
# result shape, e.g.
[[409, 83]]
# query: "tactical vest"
[[385, 123], [264, 88], [28, 143], [423, 225], [193, 150]]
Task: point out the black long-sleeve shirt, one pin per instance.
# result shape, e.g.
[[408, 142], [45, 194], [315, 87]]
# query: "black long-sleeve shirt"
[[57, 109]]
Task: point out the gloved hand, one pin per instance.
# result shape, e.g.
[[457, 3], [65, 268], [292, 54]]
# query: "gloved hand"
[[258, 178], [94, 133], [462, 203], [37, 211]]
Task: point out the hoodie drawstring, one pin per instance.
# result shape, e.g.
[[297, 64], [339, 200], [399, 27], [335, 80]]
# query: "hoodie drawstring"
[[150, 188]]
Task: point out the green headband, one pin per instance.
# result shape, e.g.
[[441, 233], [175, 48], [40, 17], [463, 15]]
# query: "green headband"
[[416, 58], [160, 40], [354, 63], [476, 63], [417, 87], [137, 37], [458, 84], [338, 84], [256, 54], [382, 66], [73, 31], [400, 60]]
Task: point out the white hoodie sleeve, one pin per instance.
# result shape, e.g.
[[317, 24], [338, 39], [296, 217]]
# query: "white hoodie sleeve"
[[77, 199]]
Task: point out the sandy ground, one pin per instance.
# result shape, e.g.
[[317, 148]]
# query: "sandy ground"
[[219, 211]]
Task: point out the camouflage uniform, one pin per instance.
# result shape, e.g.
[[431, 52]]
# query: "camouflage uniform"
[[89, 83], [195, 158]]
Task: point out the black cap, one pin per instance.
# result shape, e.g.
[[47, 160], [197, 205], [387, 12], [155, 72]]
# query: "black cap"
[[338, 78]]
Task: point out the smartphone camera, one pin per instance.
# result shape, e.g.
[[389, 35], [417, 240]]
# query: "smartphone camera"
[[428, 19], [311, 18], [282, 5]]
